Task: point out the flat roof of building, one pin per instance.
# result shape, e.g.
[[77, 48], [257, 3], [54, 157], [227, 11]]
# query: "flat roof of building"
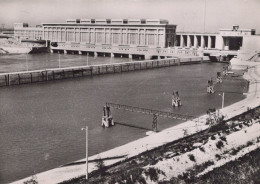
[[85, 21]]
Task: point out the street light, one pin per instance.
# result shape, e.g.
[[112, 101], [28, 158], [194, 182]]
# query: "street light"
[[59, 59], [86, 150], [26, 62], [223, 98], [87, 59]]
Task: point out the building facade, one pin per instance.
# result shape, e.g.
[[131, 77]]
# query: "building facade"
[[22, 31], [135, 37], [151, 33], [226, 39]]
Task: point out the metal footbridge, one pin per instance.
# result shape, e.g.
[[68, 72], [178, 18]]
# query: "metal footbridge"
[[155, 113]]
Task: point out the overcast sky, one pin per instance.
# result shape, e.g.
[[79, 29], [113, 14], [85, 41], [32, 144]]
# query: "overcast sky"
[[187, 14]]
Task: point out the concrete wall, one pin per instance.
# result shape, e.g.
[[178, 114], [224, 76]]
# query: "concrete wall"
[[219, 42], [251, 46]]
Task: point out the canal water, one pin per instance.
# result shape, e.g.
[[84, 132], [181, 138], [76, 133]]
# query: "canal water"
[[40, 124], [24, 62]]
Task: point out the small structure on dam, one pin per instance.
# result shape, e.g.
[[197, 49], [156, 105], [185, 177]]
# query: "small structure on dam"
[[176, 101], [219, 77], [107, 119], [210, 88]]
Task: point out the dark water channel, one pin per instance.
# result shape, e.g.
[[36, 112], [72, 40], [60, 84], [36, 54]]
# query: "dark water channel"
[[40, 124]]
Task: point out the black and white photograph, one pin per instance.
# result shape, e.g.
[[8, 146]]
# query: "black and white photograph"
[[129, 91]]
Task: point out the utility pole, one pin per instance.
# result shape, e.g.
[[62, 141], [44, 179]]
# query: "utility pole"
[[59, 59], [86, 151], [87, 58], [223, 98], [27, 68]]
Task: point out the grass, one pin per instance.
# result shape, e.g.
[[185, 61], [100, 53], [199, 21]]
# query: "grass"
[[244, 170]]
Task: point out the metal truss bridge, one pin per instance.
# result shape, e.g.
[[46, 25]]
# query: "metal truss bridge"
[[155, 113]]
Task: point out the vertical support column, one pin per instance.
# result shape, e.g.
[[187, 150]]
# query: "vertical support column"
[[80, 52], [147, 57], [195, 41], [95, 36], [209, 42], [9, 80], [95, 54], [226, 43], [202, 42], [19, 79], [182, 41], [130, 56], [91, 71], [154, 125], [42, 76], [120, 37], [65, 51], [145, 37], [112, 55], [188, 41], [79, 34]]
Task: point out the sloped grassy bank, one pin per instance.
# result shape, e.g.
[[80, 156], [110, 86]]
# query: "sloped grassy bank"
[[147, 167], [244, 170]]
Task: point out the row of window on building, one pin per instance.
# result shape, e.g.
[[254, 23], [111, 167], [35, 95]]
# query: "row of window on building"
[[29, 34], [106, 38]]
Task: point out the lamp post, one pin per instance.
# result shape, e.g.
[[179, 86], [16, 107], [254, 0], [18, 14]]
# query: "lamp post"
[[59, 59], [26, 62], [87, 59], [86, 151], [223, 98]]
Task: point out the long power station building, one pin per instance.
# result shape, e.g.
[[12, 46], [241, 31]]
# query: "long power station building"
[[114, 36], [134, 38], [114, 32]]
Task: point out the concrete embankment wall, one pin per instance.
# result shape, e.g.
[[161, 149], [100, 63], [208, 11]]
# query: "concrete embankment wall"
[[25, 77]]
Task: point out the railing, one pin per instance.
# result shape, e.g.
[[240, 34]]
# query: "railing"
[[124, 49], [24, 77]]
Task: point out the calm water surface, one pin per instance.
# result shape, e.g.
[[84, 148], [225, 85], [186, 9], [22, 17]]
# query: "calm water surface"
[[24, 62], [40, 124]]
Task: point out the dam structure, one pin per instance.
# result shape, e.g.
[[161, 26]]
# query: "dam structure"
[[137, 39], [133, 38]]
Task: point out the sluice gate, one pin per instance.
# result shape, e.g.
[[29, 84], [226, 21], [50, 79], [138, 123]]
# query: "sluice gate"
[[34, 76], [155, 113]]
